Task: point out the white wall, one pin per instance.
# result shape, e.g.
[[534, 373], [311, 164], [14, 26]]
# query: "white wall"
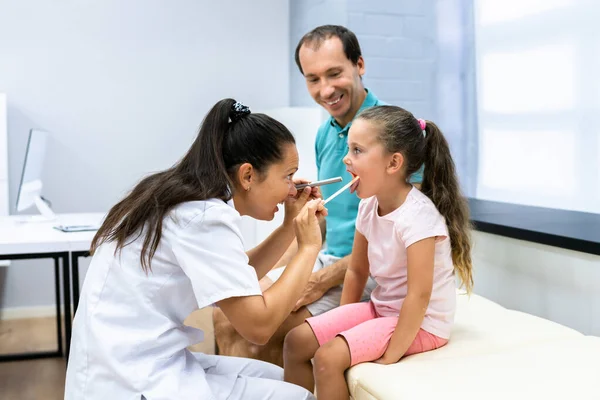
[[3, 158], [3, 163], [557, 284], [123, 86]]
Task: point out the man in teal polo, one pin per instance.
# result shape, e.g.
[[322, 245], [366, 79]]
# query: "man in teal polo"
[[330, 59]]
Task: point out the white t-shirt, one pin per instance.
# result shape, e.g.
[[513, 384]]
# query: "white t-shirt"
[[389, 236], [129, 338]]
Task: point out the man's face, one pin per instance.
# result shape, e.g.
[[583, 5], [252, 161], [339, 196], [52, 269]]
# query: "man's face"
[[332, 80]]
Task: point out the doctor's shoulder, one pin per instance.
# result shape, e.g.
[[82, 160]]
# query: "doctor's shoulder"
[[202, 212]]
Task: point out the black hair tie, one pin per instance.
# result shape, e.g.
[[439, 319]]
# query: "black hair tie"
[[238, 111]]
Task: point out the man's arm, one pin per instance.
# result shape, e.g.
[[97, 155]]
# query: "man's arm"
[[334, 274], [323, 280]]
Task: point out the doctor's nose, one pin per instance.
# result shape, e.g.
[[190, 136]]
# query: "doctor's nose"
[[292, 190]]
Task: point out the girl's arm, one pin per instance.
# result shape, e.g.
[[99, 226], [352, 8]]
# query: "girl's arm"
[[357, 272], [420, 257]]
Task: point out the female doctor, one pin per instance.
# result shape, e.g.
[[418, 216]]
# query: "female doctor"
[[174, 245]]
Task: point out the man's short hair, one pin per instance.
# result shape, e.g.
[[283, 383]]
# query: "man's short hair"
[[324, 32]]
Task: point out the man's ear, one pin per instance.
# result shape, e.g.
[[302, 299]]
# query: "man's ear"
[[360, 64], [246, 176], [395, 164]]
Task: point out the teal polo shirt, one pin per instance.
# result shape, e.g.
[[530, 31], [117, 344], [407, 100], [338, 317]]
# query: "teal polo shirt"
[[331, 146]]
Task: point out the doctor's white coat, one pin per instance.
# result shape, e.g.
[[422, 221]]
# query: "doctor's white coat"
[[129, 341]]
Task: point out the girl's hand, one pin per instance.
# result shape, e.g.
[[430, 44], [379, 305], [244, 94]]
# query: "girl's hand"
[[294, 204], [306, 225], [387, 359]]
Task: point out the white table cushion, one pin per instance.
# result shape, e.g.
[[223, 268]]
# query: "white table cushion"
[[482, 328], [560, 369]]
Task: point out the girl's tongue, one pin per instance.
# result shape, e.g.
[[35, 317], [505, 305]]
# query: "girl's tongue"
[[355, 184]]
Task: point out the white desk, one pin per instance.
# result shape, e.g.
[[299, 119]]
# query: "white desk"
[[33, 240]]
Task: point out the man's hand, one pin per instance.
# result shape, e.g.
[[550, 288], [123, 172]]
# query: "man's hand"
[[313, 291]]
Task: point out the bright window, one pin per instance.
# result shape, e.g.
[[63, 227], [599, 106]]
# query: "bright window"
[[538, 96]]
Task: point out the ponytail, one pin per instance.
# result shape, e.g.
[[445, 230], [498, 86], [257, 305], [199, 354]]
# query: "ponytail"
[[440, 184], [229, 136], [204, 163]]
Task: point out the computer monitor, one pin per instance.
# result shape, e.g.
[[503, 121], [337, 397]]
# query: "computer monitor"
[[30, 189]]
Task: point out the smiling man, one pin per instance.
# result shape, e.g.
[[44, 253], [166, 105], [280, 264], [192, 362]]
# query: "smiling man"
[[330, 59]]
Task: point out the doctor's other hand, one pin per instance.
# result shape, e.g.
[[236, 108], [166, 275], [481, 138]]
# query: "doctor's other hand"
[[293, 204], [306, 224], [315, 191]]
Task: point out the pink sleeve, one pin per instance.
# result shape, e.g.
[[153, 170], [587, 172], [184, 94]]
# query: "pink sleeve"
[[361, 216], [423, 223]]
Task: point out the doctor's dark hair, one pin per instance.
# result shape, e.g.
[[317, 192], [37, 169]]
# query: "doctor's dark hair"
[[400, 132], [229, 136]]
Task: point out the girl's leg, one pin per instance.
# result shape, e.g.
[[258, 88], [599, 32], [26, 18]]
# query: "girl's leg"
[[363, 342], [299, 348], [302, 342], [425, 341], [331, 362]]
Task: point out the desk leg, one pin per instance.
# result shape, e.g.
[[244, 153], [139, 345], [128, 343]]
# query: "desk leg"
[[63, 260], [59, 337], [67, 302], [75, 279]]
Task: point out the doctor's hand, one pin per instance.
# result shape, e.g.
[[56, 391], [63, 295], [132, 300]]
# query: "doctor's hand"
[[294, 204], [306, 224]]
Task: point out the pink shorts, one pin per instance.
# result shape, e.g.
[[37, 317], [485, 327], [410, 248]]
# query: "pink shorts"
[[366, 333]]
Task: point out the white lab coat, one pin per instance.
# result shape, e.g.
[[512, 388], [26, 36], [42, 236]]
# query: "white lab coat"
[[129, 340]]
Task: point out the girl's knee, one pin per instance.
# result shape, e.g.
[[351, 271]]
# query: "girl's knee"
[[332, 357], [299, 342]]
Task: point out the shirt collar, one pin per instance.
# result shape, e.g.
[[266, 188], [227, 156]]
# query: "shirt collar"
[[369, 101], [394, 215]]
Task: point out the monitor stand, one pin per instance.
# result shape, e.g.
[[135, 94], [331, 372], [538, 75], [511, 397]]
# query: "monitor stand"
[[46, 213]]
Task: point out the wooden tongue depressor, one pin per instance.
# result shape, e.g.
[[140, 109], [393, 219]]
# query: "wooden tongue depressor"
[[336, 194]]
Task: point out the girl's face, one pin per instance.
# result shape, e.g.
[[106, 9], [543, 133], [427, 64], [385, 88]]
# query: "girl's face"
[[367, 158], [270, 188]]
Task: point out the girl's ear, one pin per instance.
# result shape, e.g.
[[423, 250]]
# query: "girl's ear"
[[395, 164], [246, 176]]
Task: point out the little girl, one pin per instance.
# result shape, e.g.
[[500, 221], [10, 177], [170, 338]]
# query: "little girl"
[[410, 241]]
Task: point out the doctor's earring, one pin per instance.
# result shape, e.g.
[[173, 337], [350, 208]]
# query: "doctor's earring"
[[248, 189]]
